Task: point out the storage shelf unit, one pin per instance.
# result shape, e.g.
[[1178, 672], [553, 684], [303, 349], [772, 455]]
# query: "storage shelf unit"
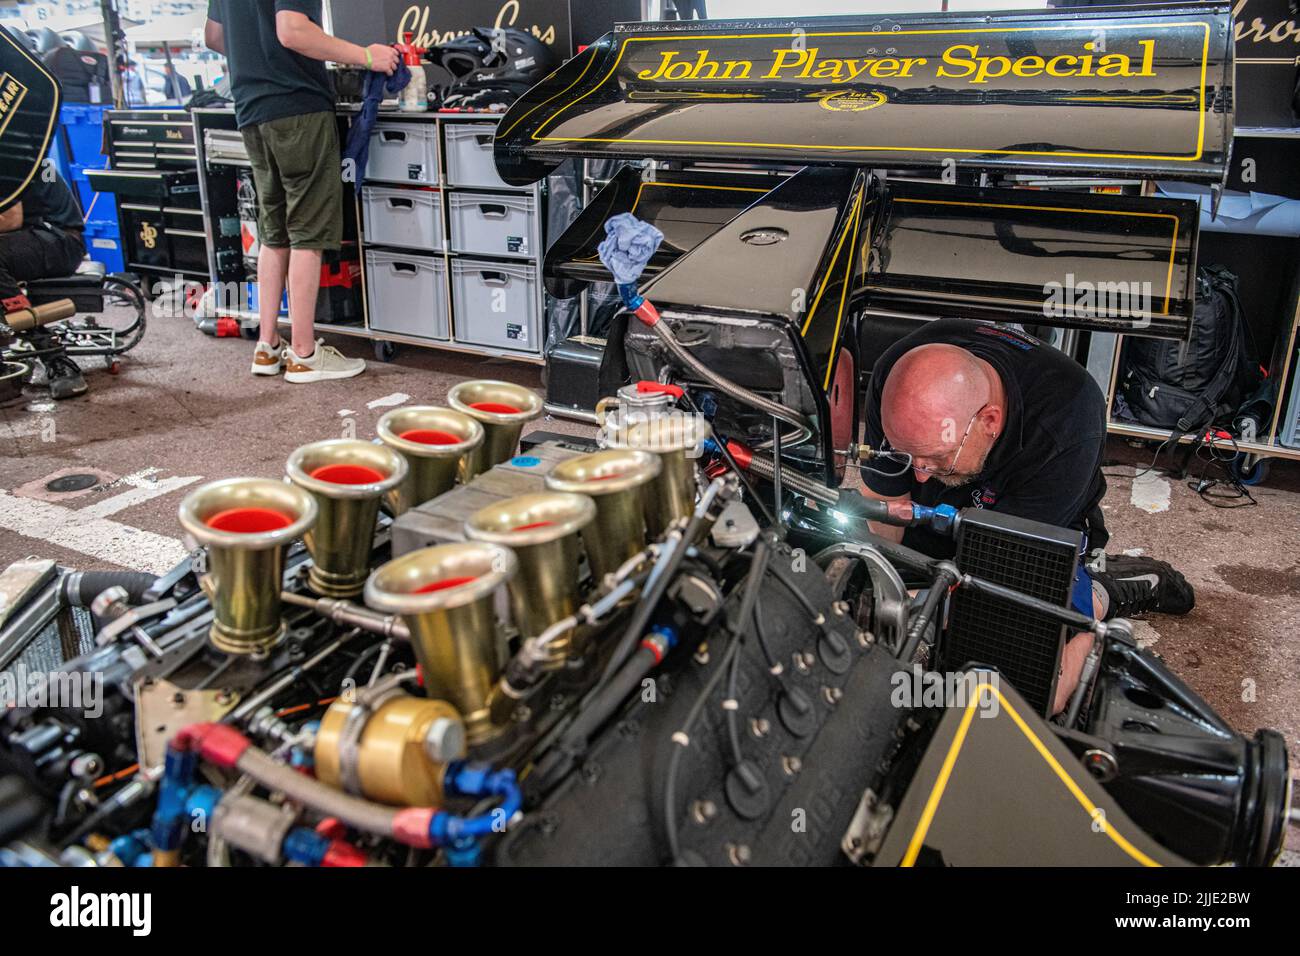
[[453, 232], [1270, 295], [420, 163]]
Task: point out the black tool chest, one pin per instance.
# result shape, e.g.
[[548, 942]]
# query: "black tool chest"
[[152, 169]]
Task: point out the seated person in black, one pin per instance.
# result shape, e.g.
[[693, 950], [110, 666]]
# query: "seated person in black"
[[41, 238], [981, 416]]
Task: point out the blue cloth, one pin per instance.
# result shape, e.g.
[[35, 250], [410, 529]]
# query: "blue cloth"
[[629, 243], [1081, 593], [378, 86]]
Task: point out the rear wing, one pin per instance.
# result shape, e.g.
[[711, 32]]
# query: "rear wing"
[[1137, 91]]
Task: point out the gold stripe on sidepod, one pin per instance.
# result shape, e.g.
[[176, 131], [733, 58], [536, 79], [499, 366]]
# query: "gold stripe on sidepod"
[[1095, 815], [1200, 135], [856, 213], [49, 129], [1173, 245]]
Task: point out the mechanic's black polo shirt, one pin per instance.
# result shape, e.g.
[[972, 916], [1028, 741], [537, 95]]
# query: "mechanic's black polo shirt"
[[1046, 464], [268, 80]]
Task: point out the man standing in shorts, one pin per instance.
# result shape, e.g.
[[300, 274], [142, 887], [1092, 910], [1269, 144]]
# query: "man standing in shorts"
[[276, 51]]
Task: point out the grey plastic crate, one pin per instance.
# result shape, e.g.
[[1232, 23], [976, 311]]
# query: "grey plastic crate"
[[407, 293], [411, 218], [494, 224], [403, 153], [495, 304], [469, 155]]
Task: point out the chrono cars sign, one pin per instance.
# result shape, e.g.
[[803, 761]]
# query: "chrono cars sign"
[[436, 22]]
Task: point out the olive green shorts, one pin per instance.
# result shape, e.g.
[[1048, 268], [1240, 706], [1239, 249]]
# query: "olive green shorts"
[[295, 163]]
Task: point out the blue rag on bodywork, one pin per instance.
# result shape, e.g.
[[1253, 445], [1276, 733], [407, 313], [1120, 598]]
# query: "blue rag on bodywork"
[[629, 243], [378, 86]]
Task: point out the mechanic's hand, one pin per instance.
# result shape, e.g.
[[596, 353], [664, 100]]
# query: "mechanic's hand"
[[383, 58]]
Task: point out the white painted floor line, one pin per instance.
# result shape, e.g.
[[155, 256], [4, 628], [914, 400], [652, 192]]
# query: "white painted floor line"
[[26, 428], [95, 537], [1145, 634], [397, 398], [1150, 493], [141, 493]]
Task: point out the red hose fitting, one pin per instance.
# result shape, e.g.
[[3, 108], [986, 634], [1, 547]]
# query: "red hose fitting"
[[215, 743], [646, 312], [742, 454], [411, 826], [342, 853]]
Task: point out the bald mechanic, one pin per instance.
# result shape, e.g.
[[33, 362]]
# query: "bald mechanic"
[[974, 415]]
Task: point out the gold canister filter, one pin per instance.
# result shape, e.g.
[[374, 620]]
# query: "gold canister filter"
[[438, 445], [347, 477], [673, 438], [393, 751], [445, 594], [502, 409], [615, 479], [245, 523], [542, 530]]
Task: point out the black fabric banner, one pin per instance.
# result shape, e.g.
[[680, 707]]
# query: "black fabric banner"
[[29, 110]]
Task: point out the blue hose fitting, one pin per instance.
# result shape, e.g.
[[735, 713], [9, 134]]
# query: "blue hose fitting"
[[305, 846]]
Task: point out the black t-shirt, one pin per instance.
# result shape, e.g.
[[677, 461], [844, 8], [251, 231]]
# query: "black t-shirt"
[[268, 80], [50, 202], [1046, 464]]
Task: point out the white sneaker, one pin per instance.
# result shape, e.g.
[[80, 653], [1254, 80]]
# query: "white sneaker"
[[267, 359], [325, 363]]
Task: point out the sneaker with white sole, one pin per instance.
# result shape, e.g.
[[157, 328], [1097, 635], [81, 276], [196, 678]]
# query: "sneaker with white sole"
[[267, 359], [325, 363], [1137, 584]]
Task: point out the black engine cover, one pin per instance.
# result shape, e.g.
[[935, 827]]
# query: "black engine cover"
[[813, 737]]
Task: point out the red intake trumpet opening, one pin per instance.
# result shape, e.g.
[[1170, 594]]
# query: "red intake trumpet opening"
[[249, 520], [348, 474]]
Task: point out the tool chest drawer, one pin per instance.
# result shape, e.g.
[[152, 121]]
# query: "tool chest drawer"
[[403, 153], [411, 218], [495, 304], [407, 293], [468, 150], [493, 224]]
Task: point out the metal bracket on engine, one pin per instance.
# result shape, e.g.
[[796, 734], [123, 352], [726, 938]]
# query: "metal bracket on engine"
[[162, 708], [867, 829]]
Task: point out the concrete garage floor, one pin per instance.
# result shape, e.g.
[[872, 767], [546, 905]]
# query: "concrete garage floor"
[[184, 409]]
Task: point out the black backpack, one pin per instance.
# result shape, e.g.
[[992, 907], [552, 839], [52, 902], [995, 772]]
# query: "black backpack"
[[1186, 385]]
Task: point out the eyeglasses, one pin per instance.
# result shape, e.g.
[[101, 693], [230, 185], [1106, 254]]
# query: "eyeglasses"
[[908, 462]]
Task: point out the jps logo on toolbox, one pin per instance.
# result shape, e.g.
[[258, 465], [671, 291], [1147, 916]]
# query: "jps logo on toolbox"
[[77, 909]]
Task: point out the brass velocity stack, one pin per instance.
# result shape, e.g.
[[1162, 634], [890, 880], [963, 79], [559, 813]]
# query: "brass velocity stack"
[[444, 594], [502, 409], [347, 477], [615, 479], [437, 443], [542, 530], [245, 523], [672, 437]]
